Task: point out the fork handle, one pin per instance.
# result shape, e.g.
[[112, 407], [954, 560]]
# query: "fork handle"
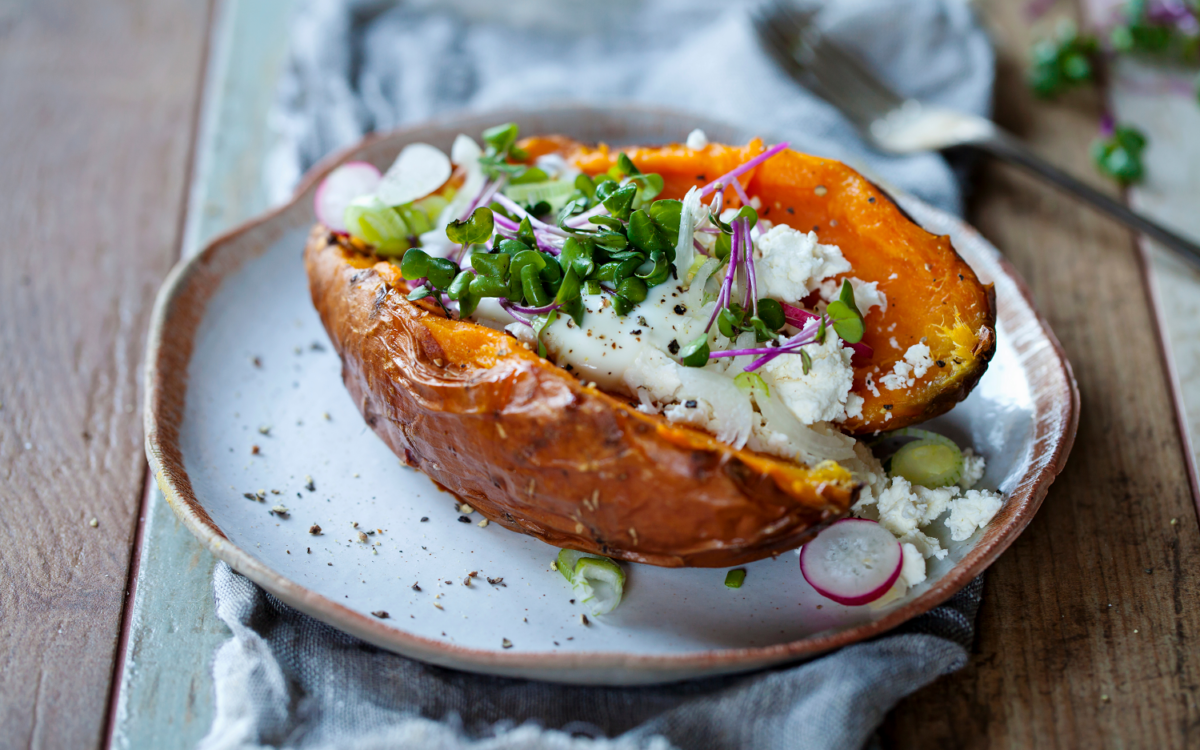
[[1007, 148]]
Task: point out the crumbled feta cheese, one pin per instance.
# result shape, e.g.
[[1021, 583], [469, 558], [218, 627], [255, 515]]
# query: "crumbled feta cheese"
[[912, 570], [972, 511], [821, 395], [791, 263], [905, 509], [870, 380], [905, 372], [697, 140], [973, 469], [866, 294], [854, 406]]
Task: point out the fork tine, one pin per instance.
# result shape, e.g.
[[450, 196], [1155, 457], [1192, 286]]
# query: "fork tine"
[[802, 27], [837, 76], [787, 50]]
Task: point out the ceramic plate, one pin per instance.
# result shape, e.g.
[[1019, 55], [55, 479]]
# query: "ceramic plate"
[[244, 396]]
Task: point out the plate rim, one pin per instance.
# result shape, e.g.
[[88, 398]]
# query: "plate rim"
[[193, 280]]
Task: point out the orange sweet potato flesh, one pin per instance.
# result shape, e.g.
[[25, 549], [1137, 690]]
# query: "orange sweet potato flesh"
[[933, 296], [535, 450]]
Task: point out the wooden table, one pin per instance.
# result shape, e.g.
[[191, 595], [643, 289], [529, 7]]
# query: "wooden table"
[[134, 131]]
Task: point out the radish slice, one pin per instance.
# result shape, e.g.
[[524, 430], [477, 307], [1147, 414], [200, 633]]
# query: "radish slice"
[[855, 561], [418, 171], [349, 181]]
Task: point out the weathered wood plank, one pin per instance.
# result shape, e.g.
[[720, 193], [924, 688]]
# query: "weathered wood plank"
[[1150, 99], [165, 695], [1086, 634], [99, 103]]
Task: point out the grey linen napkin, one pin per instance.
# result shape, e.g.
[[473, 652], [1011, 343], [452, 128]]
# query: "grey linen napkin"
[[284, 679]]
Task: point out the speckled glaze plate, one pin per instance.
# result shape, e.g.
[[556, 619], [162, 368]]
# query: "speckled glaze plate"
[[244, 396]]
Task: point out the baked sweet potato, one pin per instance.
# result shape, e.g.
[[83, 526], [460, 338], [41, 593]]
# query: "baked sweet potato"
[[933, 295], [533, 449], [536, 450]]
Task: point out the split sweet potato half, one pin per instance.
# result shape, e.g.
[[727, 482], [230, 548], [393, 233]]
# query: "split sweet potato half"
[[539, 452]]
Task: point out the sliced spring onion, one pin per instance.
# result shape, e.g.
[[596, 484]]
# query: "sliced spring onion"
[[597, 581], [567, 559], [735, 578], [378, 224], [554, 192], [933, 461]]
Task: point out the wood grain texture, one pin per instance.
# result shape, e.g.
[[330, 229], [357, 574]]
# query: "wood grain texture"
[[165, 693], [99, 102], [1087, 631]]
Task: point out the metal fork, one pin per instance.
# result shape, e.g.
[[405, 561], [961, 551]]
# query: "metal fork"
[[900, 125]]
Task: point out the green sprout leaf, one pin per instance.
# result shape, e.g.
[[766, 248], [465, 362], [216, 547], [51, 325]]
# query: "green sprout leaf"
[[729, 321], [695, 354], [460, 286], [1120, 155], [1062, 62], [620, 202], [749, 214], [771, 314], [626, 165], [805, 361], [540, 323], [501, 137], [585, 185], [847, 320], [415, 264], [474, 229], [420, 292]]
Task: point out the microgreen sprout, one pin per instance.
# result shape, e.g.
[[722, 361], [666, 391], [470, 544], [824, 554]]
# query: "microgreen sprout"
[[1062, 62], [1118, 152]]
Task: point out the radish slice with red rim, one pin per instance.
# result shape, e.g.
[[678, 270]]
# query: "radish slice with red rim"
[[341, 186], [855, 561]]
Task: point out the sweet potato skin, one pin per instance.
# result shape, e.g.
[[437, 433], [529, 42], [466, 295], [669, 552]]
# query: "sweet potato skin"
[[538, 452]]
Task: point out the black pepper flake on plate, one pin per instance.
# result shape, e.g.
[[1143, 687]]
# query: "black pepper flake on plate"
[[381, 614], [505, 643], [416, 587], [463, 519], [673, 347], [424, 519], [497, 582], [310, 485], [314, 529]]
